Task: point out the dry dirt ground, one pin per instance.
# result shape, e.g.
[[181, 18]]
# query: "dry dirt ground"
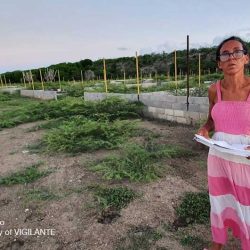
[[74, 216]]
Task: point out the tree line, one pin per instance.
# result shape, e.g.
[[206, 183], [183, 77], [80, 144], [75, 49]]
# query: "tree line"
[[160, 64]]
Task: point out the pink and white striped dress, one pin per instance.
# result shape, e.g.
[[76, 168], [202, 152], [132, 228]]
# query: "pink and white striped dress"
[[229, 175]]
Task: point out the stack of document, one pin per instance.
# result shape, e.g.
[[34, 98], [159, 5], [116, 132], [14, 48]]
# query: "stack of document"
[[235, 149]]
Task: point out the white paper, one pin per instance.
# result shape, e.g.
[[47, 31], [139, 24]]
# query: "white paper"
[[235, 149]]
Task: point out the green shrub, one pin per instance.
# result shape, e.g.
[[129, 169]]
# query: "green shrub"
[[138, 163], [194, 208], [80, 135], [116, 198]]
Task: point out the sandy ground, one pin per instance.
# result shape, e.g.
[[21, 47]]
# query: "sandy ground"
[[73, 218]]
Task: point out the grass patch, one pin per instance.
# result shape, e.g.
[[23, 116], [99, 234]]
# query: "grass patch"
[[29, 174], [50, 124], [40, 195], [194, 208], [36, 147], [195, 242], [80, 135], [23, 110], [115, 198], [139, 238], [138, 163], [5, 97]]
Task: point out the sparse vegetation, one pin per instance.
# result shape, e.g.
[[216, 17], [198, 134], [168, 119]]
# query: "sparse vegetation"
[[195, 242], [42, 194], [139, 238], [138, 163], [29, 174], [115, 198]]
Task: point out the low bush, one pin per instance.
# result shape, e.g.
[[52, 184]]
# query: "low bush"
[[194, 208]]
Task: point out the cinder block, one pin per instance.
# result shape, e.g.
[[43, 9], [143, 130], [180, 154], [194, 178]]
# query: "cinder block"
[[171, 118], [171, 99], [181, 99], [169, 111], [162, 116], [177, 106], [194, 107], [193, 115], [160, 111], [181, 120], [178, 113], [203, 116], [152, 109], [204, 108]]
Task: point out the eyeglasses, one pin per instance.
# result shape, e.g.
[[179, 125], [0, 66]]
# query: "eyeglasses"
[[237, 54]]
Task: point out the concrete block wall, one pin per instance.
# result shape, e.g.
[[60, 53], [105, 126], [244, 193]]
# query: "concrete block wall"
[[10, 90], [39, 94], [161, 105]]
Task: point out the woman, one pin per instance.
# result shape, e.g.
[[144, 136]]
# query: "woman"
[[229, 118]]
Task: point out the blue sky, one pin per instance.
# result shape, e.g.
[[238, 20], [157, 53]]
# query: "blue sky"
[[40, 33]]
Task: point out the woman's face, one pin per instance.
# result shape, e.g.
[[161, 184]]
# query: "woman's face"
[[232, 65]]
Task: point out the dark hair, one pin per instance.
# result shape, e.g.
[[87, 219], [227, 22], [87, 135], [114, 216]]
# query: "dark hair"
[[231, 38]]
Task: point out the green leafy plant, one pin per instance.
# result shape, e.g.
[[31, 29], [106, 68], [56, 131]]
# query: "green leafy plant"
[[194, 208]]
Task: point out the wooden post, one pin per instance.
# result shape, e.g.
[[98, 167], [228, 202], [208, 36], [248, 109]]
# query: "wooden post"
[[199, 70], [32, 81], [175, 70], [24, 80], [82, 79], [59, 79], [137, 75], [41, 79], [124, 76], [104, 75], [5, 80], [1, 81], [187, 71]]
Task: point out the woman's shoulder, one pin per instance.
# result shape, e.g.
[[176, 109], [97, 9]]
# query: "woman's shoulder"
[[212, 88], [212, 92]]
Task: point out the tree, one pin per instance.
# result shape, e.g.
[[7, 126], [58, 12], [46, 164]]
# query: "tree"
[[89, 75]]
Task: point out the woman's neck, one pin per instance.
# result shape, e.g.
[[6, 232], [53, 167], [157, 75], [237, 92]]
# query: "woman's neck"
[[234, 82]]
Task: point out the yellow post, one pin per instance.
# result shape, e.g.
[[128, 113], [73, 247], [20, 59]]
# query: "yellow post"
[[32, 81], [24, 80], [41, 79], [199, 70], [104, 74], [59, 79], [175, 70], [137, 75], [1, 81]]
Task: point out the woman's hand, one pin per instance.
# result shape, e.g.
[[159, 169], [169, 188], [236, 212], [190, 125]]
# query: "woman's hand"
[[203, 132]]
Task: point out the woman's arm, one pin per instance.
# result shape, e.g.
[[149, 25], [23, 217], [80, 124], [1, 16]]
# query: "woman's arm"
[[209, 125]]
